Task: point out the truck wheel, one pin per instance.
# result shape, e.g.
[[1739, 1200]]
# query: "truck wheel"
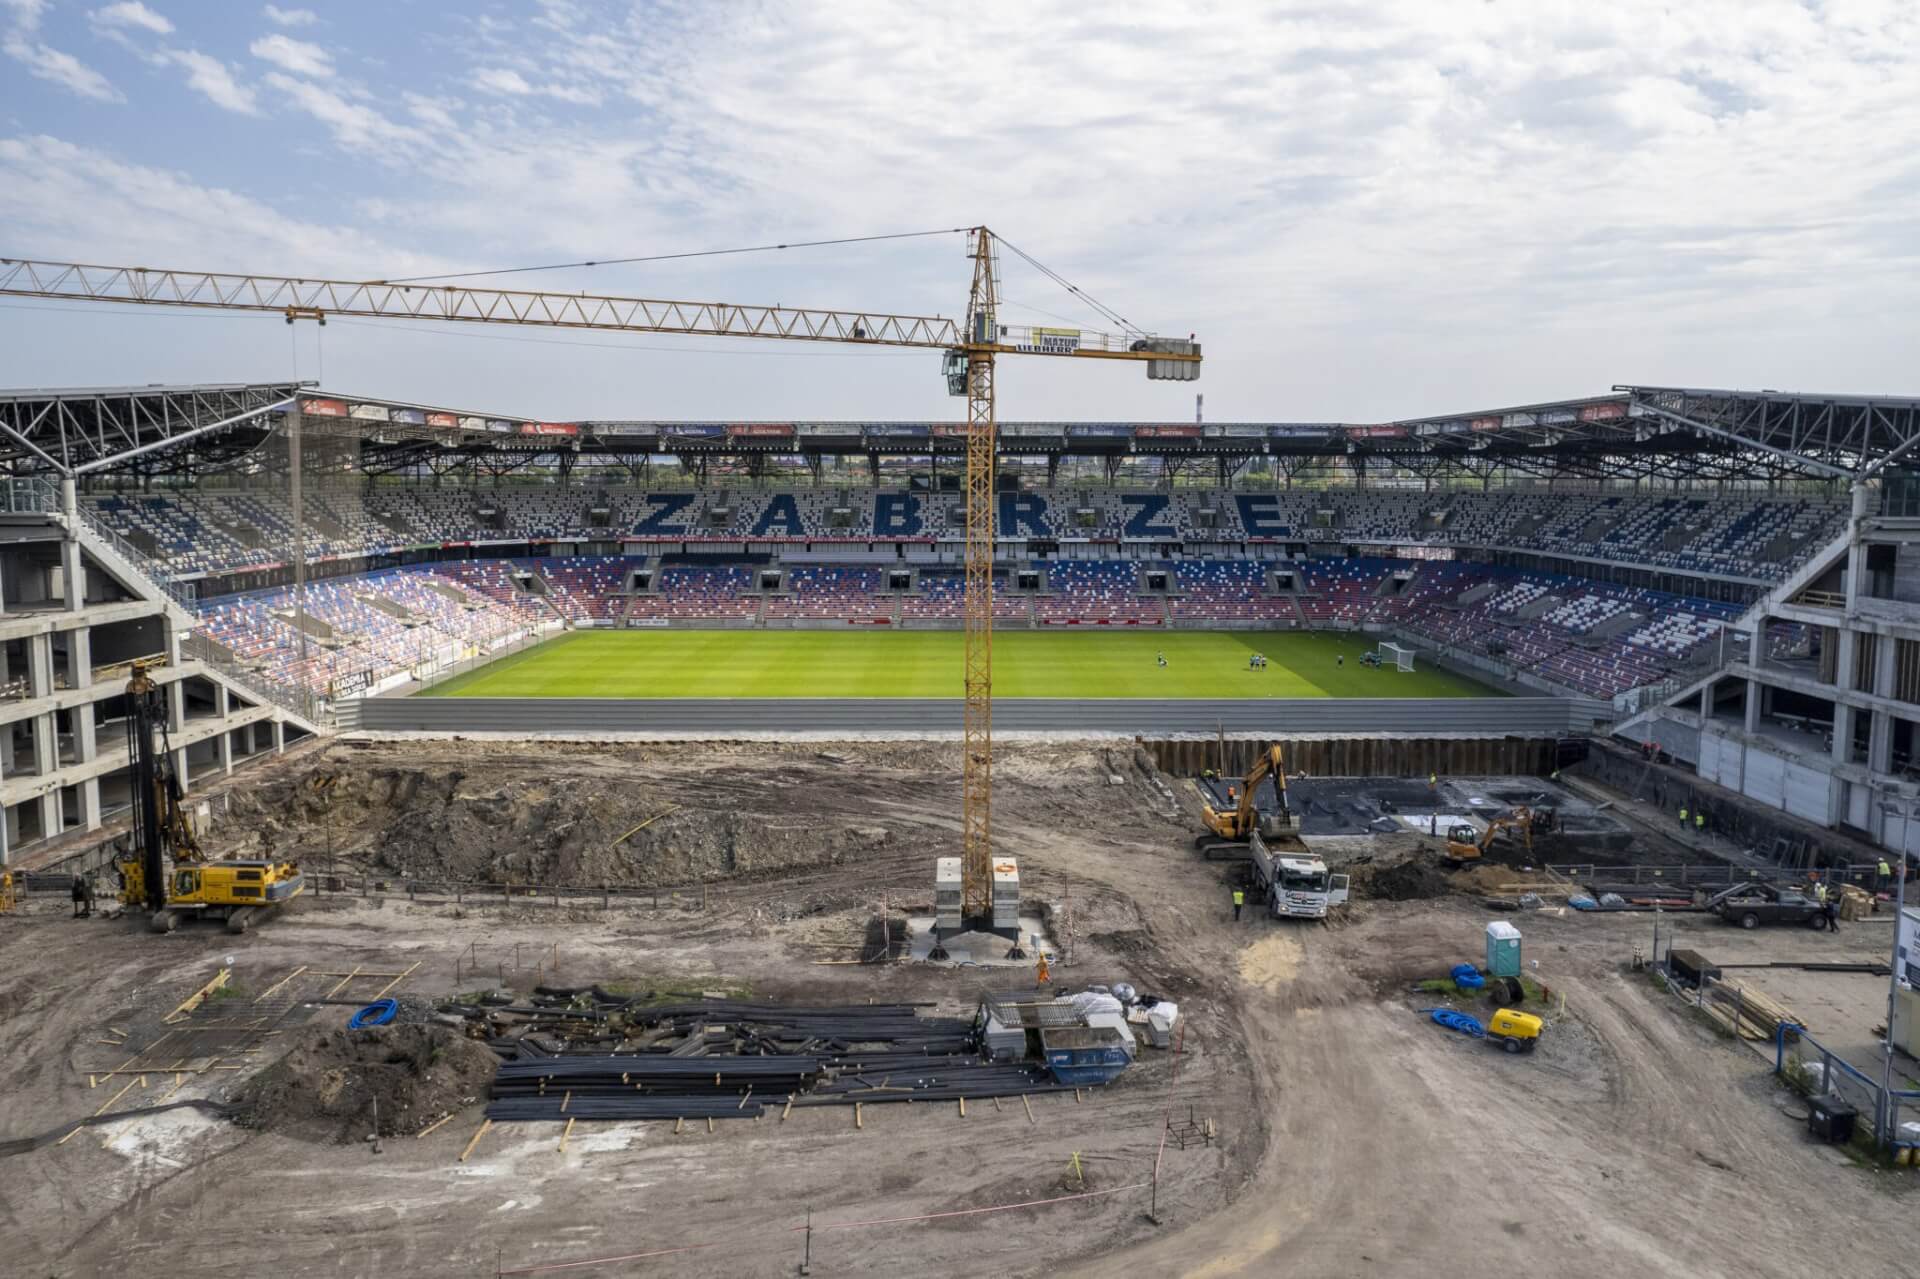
[[1749, 920], [165, 921], [1512, 1045], [1818, 923]]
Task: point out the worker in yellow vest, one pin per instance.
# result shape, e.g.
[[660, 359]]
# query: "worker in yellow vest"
[[1882, 873], [1239, 900], [1683, 817], [1700, 823]]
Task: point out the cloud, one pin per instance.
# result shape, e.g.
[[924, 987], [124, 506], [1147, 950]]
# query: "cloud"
[[501, 80], [131, 14], [69, 201], [25, 14], [296, 56], [62, 69], [291, 17], [1500, 202], [213, 80], [355, 126]]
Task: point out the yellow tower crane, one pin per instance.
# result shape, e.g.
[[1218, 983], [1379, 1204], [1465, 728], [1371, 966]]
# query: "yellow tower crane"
[[970, 346]]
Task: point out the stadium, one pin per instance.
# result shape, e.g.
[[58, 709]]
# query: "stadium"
[[524, 753], [356, 610]]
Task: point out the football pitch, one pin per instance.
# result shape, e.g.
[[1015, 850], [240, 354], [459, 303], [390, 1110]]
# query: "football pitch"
[[1077, 664]]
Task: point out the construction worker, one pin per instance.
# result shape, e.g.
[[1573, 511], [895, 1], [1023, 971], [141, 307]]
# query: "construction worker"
[[1433, 781], [1881, 874], [79, 896], [1820, 891], [1239, 900], [1040, 975], [1699, 822], [1683, 817], [1554, 776]]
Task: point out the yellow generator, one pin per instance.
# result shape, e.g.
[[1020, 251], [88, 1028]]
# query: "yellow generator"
[[1517, 1032]]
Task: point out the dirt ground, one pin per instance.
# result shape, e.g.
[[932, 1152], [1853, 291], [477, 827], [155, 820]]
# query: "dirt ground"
[[1353, 1135]]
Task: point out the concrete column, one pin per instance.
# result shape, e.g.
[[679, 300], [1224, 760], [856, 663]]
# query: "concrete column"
[[46, 755], [74, 573], [6, 835], [176, 706], [40, 665], [90, 804], [1842, 731], [222, 703], [1883, 666], [50, 813], [180, 767], [1752, 724], [226, 752], [86, 744], [80, 657], [1880, 743], [1843, 658], [279, 736], [1757, 649]]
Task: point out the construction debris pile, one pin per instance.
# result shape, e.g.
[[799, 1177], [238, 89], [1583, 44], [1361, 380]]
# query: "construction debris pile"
[[592, 1054], [333, 1082]]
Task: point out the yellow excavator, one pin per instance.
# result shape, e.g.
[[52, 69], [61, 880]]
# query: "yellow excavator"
[[1233, 828], [196, 887], [1466, 845]]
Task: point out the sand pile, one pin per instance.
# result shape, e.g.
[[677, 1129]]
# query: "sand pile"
[[326, 1087]]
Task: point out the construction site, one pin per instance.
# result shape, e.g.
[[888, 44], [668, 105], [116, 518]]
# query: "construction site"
[[446, 841], [1305, 1110]]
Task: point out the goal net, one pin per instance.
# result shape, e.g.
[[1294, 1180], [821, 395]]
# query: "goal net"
[[1396, 654]]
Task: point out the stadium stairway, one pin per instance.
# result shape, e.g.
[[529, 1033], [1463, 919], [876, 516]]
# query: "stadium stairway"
[[252, 696]]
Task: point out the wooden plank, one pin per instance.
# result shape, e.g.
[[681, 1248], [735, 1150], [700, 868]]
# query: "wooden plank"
[[476, 1139], [435, 1124], [277, 985], [199, 996], [104, 1107], [1029, 1106], [382, 992], [571, 1120], [343, 982]]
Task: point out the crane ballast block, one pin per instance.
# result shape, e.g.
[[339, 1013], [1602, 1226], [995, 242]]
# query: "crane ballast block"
[[1171, 370]]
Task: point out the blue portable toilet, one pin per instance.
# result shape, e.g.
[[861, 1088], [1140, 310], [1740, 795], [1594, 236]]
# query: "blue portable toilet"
[[1503, 949]]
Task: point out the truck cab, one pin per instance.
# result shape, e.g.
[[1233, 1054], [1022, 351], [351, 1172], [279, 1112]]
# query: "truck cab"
[[1295, 882]]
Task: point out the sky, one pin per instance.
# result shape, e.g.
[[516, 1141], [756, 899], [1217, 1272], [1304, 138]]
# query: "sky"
[[1365, 211]]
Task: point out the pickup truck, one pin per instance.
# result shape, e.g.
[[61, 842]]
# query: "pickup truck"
[[1751, 905]]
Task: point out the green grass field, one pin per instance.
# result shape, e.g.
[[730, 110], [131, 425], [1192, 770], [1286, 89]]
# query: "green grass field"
[[1200, 664]]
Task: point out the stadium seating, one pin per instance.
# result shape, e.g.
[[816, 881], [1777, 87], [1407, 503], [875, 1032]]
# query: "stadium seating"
[[210, 531]]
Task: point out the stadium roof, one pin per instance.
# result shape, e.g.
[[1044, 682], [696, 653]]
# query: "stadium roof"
[[1670, 432]]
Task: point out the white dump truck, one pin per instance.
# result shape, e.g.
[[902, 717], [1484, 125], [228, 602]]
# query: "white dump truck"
[[1295, 883]]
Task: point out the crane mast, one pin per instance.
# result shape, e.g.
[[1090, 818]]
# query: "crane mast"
[[971, 347], [976, 765]]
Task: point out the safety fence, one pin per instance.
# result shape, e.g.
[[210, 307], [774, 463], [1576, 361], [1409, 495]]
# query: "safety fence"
[[1889, 1117], [1711, 874]]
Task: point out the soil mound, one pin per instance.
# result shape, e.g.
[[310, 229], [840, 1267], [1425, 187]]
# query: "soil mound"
[[1412, 879], [325, 1088]]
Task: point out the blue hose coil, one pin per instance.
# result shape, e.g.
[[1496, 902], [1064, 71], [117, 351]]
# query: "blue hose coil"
[[1459, 1021], [377, 1013]]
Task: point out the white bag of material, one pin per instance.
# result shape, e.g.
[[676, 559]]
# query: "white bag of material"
[[1088, 1002]]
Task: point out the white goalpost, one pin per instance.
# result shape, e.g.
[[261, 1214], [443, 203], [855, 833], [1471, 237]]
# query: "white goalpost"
[[1397, 654]]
